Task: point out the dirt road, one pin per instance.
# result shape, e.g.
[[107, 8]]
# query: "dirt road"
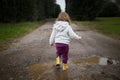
[[95, 57]]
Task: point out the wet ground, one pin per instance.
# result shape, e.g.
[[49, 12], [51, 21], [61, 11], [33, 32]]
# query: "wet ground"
[[95, 57]]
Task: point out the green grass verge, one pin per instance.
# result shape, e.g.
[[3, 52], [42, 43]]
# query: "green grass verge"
[[109, 26], [11, 31]]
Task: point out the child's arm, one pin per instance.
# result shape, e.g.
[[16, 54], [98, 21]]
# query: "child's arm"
[[72, 34], [52, 37]]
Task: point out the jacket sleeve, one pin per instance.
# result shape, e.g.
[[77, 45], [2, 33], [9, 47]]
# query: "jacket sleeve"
[[72, 34], [52, 37]]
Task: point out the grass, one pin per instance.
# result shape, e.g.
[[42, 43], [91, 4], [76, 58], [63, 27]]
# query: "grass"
[[109, 26], [12, 31]]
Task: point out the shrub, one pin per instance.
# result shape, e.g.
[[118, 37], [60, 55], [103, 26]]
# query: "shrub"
[[110, 10], [26, 10], [84, 9]]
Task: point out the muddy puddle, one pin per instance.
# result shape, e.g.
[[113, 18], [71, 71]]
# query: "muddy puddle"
[[46, 71], [36, 70], [96, 60], [39, 71]]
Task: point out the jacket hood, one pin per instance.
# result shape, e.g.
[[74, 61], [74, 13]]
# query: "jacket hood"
[[61, 25]]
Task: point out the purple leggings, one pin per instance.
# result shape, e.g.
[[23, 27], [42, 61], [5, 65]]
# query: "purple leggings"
[[62, 51]]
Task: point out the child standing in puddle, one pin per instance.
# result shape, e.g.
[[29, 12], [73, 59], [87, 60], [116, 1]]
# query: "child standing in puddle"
[[61, 35]]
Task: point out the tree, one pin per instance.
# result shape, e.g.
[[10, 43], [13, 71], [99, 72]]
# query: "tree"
[[27, 10], [57, 10], [7, 10], [40, 10], [51, 8], [84, 9], [110, 10], [118, 2], [16, 10]]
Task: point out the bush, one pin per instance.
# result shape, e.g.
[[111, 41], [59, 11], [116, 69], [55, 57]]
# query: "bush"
[[118, 13], [84, 9], [57, 10], [26, 10], [110, 10]]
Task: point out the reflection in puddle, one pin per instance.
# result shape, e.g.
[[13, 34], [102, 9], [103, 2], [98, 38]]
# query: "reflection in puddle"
[[40, 71], [36, 70], [46, 72], [61, 75], [96, 60]]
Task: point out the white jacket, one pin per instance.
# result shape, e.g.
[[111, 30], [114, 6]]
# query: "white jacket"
[[62, 33]]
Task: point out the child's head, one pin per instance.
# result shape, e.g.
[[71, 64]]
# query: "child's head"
[[63, 16]]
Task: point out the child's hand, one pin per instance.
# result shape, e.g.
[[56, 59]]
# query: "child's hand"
[[80, 38], [51, 45]]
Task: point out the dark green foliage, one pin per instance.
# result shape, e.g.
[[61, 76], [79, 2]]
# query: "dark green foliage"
[[110, 10], [26, 10], [7, 7], [49, 8], [84, 9], [39, 10], [118, 13], [118, 2], [16, 10], [57, 10]]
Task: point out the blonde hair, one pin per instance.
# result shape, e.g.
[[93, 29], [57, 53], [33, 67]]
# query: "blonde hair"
[[63, 16]]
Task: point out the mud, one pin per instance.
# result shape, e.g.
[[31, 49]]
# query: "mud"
[[95, 57], [96, 60], [36, 70]]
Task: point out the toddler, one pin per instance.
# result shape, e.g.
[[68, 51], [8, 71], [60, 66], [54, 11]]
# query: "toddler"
[[61, 35]]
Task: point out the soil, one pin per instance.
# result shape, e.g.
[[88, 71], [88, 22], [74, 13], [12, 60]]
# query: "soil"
[[94, 57]]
